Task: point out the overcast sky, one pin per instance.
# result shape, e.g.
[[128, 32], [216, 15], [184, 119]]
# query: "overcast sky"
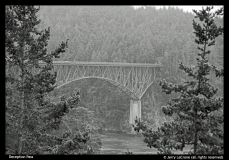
[[187, 8]]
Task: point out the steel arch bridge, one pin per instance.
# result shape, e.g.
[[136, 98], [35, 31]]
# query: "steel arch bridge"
[[133, 78]]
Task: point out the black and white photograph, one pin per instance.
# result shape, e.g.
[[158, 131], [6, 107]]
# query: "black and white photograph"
[[114, 80]]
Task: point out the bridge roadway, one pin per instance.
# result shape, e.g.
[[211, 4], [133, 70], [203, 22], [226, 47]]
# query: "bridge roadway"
[[135, 77], [80, 63]]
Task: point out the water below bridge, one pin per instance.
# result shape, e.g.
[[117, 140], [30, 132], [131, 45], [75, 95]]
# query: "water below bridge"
[[118, 143]]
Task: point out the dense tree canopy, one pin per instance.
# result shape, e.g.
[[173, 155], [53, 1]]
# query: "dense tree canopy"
[[30, 116], [125, 34], [198, 112], [103, 34]]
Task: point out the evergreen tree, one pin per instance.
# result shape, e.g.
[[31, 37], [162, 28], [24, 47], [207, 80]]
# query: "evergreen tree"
[[25, 47], [198, 113]]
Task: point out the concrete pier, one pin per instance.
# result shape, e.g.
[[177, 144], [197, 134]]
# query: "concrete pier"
[[135, 110]]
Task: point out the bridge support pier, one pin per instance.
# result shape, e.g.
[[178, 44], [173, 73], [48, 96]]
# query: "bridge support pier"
[[135, 110]]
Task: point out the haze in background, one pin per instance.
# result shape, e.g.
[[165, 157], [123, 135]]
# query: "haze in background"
[[187, 8]]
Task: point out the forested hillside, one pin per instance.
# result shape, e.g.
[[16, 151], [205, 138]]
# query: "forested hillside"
[[78, 117], [125, 34]]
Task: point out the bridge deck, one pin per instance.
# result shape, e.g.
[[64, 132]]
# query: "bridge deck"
[[78, 63]]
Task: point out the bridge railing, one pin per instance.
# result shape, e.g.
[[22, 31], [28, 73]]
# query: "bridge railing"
[[72, 63]]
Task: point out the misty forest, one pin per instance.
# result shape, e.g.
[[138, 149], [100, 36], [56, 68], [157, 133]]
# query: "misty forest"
[[173, 59]]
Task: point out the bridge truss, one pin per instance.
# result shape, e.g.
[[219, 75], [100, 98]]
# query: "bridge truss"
[[133, 78]]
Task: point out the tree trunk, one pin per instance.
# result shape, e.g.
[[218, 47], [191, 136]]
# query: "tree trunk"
[[195, 136], [21, 125], [22, 107]]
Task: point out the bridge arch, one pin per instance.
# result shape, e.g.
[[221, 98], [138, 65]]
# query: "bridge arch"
[[143, 93], [117, 84]]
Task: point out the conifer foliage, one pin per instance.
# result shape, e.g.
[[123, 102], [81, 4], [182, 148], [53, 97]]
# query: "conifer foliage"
[[31, 116], [198, 112], [25, 47]]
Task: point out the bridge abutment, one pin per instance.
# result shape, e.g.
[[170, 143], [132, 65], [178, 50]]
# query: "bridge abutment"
[[135, 110]]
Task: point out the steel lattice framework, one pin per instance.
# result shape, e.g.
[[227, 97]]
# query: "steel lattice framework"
[[133, 78]]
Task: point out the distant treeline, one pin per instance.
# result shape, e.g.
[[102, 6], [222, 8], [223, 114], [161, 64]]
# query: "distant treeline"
[[125, 34]]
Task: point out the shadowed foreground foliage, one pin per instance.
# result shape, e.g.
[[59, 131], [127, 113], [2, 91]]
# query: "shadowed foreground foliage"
[[30, 116], [198, 112]]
